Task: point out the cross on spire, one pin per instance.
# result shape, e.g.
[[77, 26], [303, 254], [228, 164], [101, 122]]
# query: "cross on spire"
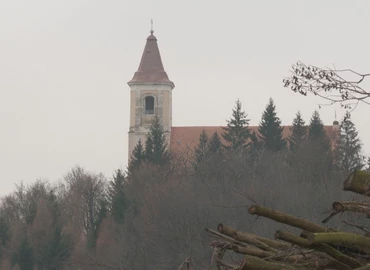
[[151, 28]]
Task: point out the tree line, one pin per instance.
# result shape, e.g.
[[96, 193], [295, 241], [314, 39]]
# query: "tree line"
[[344, 149], [153, 215]]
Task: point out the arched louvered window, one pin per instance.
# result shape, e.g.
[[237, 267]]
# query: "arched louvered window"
[[149, 105]]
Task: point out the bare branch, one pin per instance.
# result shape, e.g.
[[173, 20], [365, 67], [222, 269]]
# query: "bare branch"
[[329, 84]]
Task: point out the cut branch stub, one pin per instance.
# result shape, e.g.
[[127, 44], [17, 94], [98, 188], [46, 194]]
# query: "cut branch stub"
[[226, 230], [286, 219], [352, 206], [358, 182]]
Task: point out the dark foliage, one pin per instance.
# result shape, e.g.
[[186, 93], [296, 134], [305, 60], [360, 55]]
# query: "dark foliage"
[[299, 132], [237, 133], [270, 129], [155, 145], [349, 151]]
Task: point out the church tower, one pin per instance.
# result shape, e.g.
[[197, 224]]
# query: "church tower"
[[151, 95]]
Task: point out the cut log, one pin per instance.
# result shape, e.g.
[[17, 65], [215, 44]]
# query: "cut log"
[[366, 267], [358, 182], [286, 219], [332, 252], [352, 240], [271, 255], [349, 206], [254, 263], [258, 241], [358, 207]]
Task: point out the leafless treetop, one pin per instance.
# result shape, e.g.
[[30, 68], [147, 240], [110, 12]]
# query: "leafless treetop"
[[337, 86]]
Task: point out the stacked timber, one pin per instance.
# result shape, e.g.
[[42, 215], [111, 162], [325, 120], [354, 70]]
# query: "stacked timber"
[[317, 247]]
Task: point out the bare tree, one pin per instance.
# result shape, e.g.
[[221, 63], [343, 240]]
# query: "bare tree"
[[86, 190], [343, 86]]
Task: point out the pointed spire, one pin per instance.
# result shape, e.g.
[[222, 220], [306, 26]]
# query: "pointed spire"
[[151, 29], [335, 123], [151, 68]]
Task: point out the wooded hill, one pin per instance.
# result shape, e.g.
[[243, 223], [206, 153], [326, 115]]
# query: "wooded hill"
[[153, 215]]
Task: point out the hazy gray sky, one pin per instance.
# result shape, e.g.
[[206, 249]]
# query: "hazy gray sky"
[[64, 67]]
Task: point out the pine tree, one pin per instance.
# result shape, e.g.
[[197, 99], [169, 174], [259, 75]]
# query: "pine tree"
[[319, 147], [149, 147], [215, 144], [137, 156], [270, 130], [24, 257], [201, 151], [4, 233], [57, 250], [4, 230], [316, 129], [117, 197], [237, 133], [155, 145], [299, 132], [349, 155]]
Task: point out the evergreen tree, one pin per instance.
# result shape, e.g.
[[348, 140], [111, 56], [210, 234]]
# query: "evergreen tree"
[[319, 147], [155, 145], [149, 148], [24, 257], [255, 150], [201, 151], [117, 197], [137, 156], [57, 250], [349, 151], [270, 130], [299, 132], [215, 144], [316, 129], [4, 232], [237, 133], [368, 164]]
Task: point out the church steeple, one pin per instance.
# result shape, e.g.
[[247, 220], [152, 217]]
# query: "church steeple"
[[151, 68], [150, 95]]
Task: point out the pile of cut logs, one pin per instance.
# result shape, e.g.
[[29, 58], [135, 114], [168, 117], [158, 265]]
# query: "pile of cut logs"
[[317, 247]]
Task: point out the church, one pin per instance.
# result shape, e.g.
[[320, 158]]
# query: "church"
[[151, 95]]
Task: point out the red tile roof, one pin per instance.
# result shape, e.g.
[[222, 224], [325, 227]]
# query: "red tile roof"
[[151, 68], [186, 138]]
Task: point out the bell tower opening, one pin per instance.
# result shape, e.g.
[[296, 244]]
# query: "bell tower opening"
[[149, 105]]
